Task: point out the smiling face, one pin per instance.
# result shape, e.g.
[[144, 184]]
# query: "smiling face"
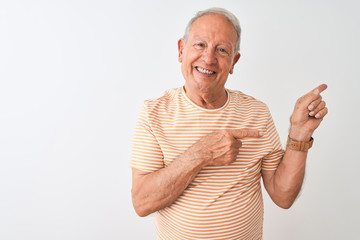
[[207, 56]]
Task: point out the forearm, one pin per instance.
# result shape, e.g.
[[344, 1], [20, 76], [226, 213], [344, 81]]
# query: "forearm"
[[157, 190], [288, 178]]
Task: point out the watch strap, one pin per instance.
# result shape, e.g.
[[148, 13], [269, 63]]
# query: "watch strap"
[[298, 145]]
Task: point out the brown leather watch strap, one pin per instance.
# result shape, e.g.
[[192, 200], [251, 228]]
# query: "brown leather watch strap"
[[299, 146]]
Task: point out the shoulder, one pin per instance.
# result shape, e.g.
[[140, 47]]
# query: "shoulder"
[[245, 100], [169, 98]]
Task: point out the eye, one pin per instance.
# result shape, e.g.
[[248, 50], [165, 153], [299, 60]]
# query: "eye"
[[223, 51], [199, 45]]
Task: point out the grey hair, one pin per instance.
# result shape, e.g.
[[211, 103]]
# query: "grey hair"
[[220, 11]]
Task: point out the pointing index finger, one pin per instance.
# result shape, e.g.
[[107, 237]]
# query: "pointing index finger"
[[243, 133], [319, 89], [313, 95]]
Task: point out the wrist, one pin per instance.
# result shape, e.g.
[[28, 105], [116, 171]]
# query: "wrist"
[[197, 155], [299, 135]]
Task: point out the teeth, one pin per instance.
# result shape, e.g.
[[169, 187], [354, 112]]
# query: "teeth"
[[202, 70]]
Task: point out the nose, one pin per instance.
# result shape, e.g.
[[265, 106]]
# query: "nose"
[[209, 56]]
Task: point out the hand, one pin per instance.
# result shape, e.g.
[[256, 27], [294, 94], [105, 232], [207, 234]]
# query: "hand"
[[221, 147], [308, 113]]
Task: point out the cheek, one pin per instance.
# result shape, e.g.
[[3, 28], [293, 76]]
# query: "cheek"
[[191, 57], [226, 67]]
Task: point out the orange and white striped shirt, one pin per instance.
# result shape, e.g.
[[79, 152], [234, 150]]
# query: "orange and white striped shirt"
[[222, 202]]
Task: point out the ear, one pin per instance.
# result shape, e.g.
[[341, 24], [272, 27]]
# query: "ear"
[[180, 49], [236, 59]]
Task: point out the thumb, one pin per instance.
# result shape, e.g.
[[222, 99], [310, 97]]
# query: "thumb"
[[244, 132]]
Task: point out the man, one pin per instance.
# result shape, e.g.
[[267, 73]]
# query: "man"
[[200, 151]]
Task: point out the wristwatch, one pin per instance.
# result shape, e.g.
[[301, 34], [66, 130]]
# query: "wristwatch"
[[299, 146]]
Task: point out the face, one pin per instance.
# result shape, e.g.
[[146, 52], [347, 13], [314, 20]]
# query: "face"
[[207, 57]]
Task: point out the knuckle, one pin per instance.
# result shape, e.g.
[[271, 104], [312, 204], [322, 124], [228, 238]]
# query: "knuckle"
[[292, 118], [244, 133], [300, 100], [316, 101], [225, 133]]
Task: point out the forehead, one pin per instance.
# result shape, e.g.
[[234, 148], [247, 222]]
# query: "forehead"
[[215, 27]]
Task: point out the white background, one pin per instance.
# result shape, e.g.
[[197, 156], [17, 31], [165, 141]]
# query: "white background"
[[73, 77]]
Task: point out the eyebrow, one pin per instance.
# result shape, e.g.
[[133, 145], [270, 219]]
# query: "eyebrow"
[[196, 37]]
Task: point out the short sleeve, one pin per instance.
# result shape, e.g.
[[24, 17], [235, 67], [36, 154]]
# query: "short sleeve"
[[272, 160], [146, 152]]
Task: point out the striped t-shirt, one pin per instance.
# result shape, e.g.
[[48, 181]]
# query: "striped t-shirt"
[[222, 202]]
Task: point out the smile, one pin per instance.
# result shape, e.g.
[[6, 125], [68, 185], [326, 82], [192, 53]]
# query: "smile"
[[205, 71]]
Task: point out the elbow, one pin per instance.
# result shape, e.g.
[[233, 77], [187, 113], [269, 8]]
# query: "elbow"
[[285, 203], [285, 197], [143, 208], [139, 206], [141, 212]]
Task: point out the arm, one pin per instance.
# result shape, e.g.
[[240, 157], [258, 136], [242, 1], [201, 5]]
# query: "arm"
[[284, 184], [152, 191]]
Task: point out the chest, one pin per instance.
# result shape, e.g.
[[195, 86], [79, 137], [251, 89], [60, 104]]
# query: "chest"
[[176, 133]]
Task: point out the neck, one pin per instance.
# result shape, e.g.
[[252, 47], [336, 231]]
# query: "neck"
[[207, 99]]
